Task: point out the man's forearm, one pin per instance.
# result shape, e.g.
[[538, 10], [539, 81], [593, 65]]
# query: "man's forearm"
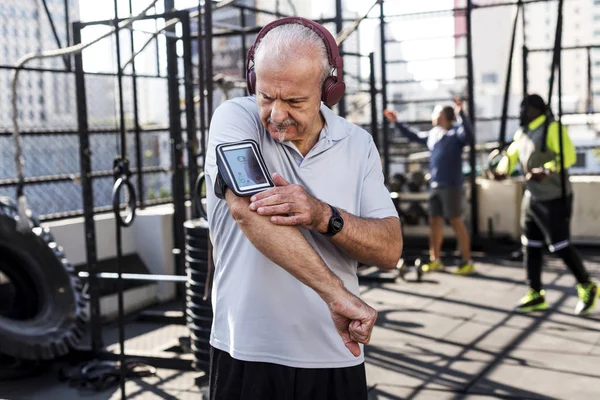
[[286, 247], [371, 241]]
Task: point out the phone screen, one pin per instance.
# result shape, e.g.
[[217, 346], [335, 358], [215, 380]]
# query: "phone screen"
[[245, 167]]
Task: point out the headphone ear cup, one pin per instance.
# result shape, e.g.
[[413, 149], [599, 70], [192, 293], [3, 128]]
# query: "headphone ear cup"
[[332, 91], [250, 80]]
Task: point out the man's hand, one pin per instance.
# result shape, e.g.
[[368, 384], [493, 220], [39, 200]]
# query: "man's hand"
[[353, 319], [458, 104], [390, 116], [290, 204], [536, 175]]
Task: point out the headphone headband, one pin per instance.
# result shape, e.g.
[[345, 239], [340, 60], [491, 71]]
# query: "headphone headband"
[[333, 88]]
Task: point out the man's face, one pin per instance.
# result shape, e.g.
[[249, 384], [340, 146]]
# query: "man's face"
[[289, 97]]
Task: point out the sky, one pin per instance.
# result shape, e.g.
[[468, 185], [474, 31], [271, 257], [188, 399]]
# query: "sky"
[[402, 28]]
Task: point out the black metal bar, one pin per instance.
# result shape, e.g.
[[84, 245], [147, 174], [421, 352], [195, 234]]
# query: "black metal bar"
[[339, 26], [55, 33], [85, 160], [90, 131], [455, 57], [402, 82], [201, 83], [120, 85], [166, 15], [473, 116], [190, 115], [421, 101], [525, 52], [136, 121], [156, 49], [578, 47], [590, 82], [75, 177], [243, 38], [503, 124], [563, 173], [54, 70], [384, 100], [174, 363], [257, 10], [208, 46], [68, 32], [354, 54], [177, 179], [419, 39], [248, 30], [137, 277], [373, 88], [120, 284]]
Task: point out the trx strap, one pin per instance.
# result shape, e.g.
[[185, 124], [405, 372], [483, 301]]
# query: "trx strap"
[[504, 118], [556, 65]]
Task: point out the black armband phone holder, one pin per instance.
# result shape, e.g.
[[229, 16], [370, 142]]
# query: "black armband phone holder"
[[242, 169]]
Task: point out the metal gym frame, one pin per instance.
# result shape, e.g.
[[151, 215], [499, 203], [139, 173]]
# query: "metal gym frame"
[[467, 11], [195, 147]]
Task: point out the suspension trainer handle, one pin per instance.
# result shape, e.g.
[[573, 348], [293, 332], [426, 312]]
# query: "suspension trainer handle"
[[122, 175]]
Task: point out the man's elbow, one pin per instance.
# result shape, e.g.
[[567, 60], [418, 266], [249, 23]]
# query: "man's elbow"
[[238, 208], [394, 251]]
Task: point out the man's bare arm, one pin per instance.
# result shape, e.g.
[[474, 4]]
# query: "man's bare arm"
[[368, 240], [287, 247]]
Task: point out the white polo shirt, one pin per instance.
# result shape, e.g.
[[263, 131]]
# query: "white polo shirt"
[[261, 312]]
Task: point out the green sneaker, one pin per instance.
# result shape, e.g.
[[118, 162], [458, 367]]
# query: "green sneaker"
[[433, 266], [465, 269], [588, 295], [533, 301]]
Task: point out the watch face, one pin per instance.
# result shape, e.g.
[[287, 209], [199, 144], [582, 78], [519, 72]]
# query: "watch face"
[[337, 224]]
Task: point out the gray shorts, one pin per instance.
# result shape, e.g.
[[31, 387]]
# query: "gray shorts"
[[446, 202]]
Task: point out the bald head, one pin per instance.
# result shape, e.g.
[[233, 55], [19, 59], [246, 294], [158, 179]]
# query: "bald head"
[[286, 44]]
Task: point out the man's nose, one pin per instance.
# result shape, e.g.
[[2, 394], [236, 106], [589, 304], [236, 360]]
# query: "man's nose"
[[278, 112]]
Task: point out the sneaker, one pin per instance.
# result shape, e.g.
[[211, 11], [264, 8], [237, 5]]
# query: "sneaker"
[[465, 269], [588, 295], [533, 301], [433, 266]]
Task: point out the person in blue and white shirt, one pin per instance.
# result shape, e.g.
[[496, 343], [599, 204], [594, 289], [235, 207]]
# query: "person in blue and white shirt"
[[445, 141]]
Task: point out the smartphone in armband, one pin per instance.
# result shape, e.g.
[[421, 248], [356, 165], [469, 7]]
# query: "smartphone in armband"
[[242, 169]]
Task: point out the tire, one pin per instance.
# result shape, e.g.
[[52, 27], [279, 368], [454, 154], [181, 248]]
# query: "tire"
[[47, 315]]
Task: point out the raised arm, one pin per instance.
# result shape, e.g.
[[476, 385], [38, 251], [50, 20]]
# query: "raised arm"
[[406, 131]]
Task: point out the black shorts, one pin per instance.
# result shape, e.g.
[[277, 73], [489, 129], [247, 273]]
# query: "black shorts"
[[546, 222], [446, 202], [232, 379]]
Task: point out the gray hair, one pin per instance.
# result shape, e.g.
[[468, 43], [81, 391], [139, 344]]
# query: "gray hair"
[[288, 41]]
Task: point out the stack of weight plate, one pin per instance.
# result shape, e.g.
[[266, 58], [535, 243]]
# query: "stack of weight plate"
[[198, 307]]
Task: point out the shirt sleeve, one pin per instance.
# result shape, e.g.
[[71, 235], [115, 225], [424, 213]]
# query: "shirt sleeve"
[[508, 163], [411, 134], [231, 122], [553, 143], [375, 199], [465, 131]]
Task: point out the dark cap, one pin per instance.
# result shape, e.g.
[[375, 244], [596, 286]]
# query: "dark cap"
[[535, 101]]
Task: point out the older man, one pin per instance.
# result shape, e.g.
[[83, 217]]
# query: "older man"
[[288, 322]]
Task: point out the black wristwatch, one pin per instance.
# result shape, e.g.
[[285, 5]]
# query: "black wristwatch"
[[336, 222]]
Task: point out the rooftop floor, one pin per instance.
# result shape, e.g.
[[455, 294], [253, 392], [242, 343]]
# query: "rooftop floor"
[[448, 337]]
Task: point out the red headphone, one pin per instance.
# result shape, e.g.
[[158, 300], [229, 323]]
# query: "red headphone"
[[333, 88]]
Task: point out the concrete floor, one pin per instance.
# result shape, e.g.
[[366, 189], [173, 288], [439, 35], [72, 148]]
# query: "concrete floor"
[[447, 337]]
